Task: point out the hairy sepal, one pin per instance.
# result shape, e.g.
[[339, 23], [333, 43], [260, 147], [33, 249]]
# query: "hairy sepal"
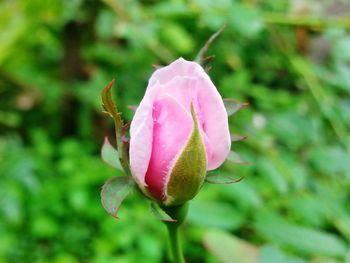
[[188, 173]]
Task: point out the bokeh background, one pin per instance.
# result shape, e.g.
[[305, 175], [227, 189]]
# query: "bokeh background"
[[289, 59]]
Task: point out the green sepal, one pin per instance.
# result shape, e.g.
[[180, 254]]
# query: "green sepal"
[[177, 212], [202, 58], [236, 158], [110, 155], [160, 214], [237, 137], [219, 177], [233, 106], [189, 171]]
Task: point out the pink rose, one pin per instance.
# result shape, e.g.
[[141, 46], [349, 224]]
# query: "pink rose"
[[171, 150]]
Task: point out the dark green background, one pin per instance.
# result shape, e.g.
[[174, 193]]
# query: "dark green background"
[[56, 56]]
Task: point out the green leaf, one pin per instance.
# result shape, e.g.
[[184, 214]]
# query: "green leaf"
[[330, 160], [160, 214], [177, 38], [189, 171], [246, 21], [110, 155], [244, 194], [230, 249], [235, 158], [219, 177], [232, 106], [273, 175], [109, 105], [325, 260], [114, 192], [120, 129], [299, 238], [271, 254], [215, 214], [309, 209]]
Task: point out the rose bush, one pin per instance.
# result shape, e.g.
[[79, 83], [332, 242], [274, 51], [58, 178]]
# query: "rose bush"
[[179, 131]]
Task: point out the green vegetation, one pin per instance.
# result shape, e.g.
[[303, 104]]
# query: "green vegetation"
[[290, 61]]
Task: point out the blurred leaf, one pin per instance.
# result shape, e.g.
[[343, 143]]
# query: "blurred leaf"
[[308, 209], [44, 227], [275, 177], [175, 36], [245, 20], [114, 192], [243, 193], [214, 214], [105, 23], [230, 249], [274, 255], [11, 119], [331, 160], [289, 125], [325, 260], [172, 9], [299, 238], [13, 26], [110, 155]]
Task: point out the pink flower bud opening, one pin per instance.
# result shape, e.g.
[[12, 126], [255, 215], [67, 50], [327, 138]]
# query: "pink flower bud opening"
[[162, 124]]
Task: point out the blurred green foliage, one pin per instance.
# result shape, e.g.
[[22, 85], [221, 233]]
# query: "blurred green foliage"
[[288, 59]]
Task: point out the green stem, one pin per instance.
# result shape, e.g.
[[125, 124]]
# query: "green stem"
[[175, 247], [177, 213]]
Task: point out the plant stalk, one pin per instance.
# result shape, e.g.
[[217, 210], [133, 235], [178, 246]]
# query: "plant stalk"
[[175, 247], [177, 213]]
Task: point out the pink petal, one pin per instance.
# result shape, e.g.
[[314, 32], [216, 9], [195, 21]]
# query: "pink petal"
[[171, 130], [141, 132], [178, 68], [209, 107], [215, 124]]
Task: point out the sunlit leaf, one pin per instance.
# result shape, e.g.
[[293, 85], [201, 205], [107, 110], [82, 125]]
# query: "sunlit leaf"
[[230, 249], [114, 192]]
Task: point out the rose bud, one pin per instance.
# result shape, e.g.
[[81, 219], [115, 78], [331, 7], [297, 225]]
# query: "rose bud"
[[179, 132]]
